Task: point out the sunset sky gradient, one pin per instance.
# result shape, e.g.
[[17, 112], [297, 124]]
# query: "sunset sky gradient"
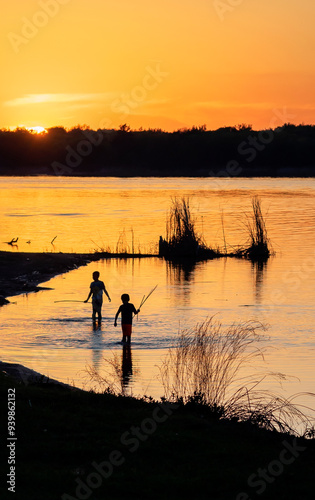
[[167, 64]]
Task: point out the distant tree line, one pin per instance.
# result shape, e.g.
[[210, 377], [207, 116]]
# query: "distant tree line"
[[230, 151]]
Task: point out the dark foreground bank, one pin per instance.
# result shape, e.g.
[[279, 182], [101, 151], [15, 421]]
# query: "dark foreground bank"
[[75, 444]]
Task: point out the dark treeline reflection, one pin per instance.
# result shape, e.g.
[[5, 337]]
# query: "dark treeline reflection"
[[239, 151]]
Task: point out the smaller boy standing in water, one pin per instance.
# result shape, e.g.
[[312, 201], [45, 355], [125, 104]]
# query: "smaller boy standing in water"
[[126, 310], [97, 288]]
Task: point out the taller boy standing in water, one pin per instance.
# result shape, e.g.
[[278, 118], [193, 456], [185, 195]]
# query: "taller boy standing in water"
[[127, 310], [97, 288]]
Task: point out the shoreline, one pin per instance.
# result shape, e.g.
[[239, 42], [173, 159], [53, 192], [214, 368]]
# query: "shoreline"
[[22, 272], [24, 375]]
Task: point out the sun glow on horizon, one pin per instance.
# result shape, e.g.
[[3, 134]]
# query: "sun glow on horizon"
[[37, 130]]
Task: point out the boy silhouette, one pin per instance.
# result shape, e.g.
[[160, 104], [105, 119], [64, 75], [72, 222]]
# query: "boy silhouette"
[[126, 310], [97, 288]]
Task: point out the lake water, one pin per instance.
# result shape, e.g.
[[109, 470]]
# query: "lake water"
[[57, 339]]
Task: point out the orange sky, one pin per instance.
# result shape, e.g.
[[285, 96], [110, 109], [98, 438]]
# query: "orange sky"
[[168, 64]]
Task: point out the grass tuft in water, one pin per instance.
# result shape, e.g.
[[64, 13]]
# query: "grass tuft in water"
[[259, 248], [182, 240], [127, 245]]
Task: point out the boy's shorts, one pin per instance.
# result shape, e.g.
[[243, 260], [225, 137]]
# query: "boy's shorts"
[[126, 329]]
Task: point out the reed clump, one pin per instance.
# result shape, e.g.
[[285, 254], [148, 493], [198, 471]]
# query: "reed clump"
[[204, 367], [182, 240], [259, 248], [126, 245]]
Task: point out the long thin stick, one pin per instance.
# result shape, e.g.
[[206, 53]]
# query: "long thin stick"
[[146, 298], [68, 301], [140, 305], [141, 302]]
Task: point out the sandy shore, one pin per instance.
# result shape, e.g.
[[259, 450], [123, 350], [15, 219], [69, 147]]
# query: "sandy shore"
[[22, 272]]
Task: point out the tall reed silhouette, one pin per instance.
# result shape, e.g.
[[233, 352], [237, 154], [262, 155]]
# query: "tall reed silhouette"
[[259, 248], [182, 240]]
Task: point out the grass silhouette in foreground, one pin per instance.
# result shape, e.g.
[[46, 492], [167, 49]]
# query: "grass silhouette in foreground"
[[205, 366]]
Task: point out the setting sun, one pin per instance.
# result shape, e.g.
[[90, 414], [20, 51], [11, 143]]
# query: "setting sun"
[[37, 130]]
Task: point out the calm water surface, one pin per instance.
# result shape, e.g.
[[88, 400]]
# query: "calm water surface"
[[58, 339]]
